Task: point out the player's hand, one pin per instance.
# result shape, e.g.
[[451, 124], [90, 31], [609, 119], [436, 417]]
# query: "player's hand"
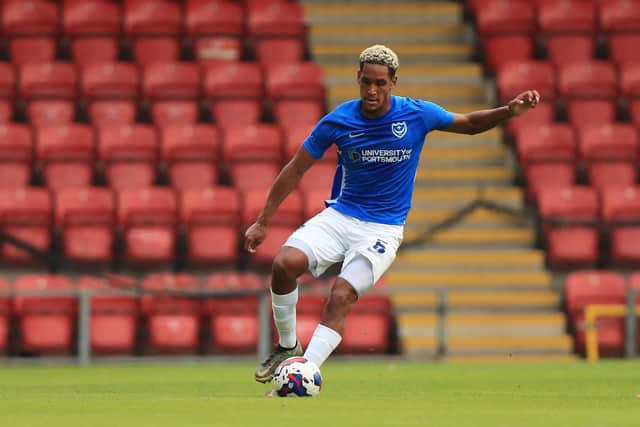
[[524, 102], [254, 236]]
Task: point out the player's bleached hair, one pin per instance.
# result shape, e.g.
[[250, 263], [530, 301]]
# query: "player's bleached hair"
[[382, 55]]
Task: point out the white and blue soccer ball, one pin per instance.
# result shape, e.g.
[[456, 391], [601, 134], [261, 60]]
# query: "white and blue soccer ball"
[[297, 376]]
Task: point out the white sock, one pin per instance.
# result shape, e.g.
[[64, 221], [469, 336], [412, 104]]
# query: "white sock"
[[322, 344], [284, 315]]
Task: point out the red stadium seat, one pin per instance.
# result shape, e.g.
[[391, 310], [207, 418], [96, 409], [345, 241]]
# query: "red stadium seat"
[[583, 288], [584, 112], [26, 215], [543, 114], [147, 219], [129, 155], [630, 80], [51, 112], [500, 50], [191, 154], [568, 219], [267, 251], [622, 48], [8, 81], [297, 112], [567, 17], [280, 51], [173, 321], [86, 219], [46, 322], [93, 28], [111, 91], [318, 177], [275, 20], [32, 50], [235, 90], [208, 50], [368, 326], [112, 112], [308, 315], [290, 212], [588, 79], [610, 154], [233, 320], [516, 77], [172, 89], [153, 26], [50, 80], [24, 18], [295, 135], [114, 317], [505, 17], [250, 175], [66, 155], [5, 315], [619, 16], [289, 82], [564, 49], [314, 201], [254, 143], [16, 155], [621, 212], [210, 218]]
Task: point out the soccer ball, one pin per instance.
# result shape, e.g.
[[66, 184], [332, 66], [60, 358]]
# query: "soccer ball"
[[297, 376]]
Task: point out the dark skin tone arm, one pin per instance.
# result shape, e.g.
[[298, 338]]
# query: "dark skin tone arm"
[[483, 120], [284, 183]]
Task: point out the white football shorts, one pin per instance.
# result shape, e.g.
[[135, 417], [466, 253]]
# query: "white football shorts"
[[331, 237]]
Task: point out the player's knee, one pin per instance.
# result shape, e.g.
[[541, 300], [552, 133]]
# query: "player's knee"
[[289, 263], [343, 294]]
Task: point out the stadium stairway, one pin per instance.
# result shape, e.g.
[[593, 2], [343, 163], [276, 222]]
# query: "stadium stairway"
[[502, 304]]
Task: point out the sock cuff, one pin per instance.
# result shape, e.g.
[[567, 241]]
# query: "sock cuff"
[[328, 334], [286, 299]]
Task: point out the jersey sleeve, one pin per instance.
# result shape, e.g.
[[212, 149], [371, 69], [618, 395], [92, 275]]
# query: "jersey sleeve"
[[435, 116], [320, 139]]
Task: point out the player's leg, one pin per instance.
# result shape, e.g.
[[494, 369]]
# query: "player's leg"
[[355, 278], [287, 266], [311, 248]]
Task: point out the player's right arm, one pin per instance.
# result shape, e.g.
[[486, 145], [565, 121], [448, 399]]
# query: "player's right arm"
[[284, 183]]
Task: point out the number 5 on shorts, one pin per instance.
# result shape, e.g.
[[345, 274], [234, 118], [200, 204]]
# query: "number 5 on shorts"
[[379, 247]]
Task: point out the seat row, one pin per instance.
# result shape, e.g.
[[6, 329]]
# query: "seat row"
[[154, 29], [582, 227], [139, 155], [557, 154], [588, 287], [147, 227], [38, 315], [170, 92]]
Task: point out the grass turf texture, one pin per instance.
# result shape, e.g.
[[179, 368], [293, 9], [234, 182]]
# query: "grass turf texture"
[[354, 394]]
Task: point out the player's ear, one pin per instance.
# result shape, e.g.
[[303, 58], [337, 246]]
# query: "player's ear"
[[358, 75]]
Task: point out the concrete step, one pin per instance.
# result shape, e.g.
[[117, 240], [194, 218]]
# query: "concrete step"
[[491, 346], [421, 218], [369, 13], [456, 261], [390, 33], [483, 324], [513, 358], [459, 176], [474, 301], [414, 74], [490, 138], [459, 197], [480, 239], [400, 280], [329, 53], [456, 94], [471, 156]]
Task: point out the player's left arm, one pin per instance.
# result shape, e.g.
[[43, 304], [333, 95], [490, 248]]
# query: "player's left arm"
[[483, 120]]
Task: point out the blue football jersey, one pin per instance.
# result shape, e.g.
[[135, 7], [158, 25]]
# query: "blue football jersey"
[[377, 158]]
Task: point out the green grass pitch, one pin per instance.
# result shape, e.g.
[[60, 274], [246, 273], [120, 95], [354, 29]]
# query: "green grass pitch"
[[360, 393]]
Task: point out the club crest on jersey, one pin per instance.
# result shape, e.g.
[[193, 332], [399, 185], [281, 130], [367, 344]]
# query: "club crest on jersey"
[[399, 129]]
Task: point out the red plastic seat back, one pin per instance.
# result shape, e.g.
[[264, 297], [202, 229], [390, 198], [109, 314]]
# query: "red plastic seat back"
[[206, 18], [259, 142], [111, 80], [567, 16], [618, 16], [505, 17], [152, 17], [587, 79], [210, 206], [53, 79], [171, 80], [168, 293], [233, 80], [290, 212], [516, 77], [304, 80], [91, 18], [30, 17], [278, 19]]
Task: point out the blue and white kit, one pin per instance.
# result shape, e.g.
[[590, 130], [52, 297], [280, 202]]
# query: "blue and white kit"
[[377, 164]]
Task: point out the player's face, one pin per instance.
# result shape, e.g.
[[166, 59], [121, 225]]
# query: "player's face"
[[375, 89]]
